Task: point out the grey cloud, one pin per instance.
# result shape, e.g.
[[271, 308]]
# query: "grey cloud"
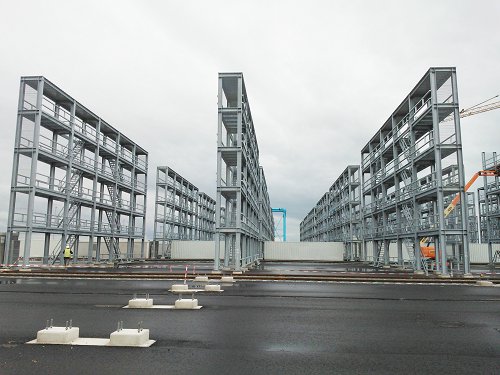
[[322, 77]]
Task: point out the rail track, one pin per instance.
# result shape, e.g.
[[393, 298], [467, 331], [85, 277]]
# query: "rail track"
[[102, 274]]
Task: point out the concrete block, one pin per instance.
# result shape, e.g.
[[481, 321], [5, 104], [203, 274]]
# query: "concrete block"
[[179, 287], [227, 279], [212, 288], [203, 279], [484, 283], [140, 303], [57, 335], [444, 276], [186, 303], [129, 337]]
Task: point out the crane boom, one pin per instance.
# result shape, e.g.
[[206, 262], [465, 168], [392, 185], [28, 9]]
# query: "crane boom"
[[454, 202], [429, 251], [478, 108]]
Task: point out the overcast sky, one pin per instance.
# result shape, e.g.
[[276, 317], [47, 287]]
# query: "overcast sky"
[[321, 76]]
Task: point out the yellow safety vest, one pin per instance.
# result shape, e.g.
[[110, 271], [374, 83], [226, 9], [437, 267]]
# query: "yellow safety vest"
[[67, 252]]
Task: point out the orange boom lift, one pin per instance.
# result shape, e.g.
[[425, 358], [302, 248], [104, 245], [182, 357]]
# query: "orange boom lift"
[[429, 251]]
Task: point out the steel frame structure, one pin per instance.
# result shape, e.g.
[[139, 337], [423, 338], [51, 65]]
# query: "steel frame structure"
[[266, 218], [182, 212], [344, 218], [243, 213], [409, 169], [206, 217], [473, 218], [314, 227], [489, 203], [337, 215], [308, 226], [73, 176]]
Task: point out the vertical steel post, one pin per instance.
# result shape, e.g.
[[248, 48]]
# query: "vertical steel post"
[[34, 162], [7, 259], [461, 174], [439, 176]]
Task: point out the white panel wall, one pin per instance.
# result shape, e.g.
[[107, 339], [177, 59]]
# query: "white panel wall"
[[195, 250], [479, 252], [317, 251], [37, 246]]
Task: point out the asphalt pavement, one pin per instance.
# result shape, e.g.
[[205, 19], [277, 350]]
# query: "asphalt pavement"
[[257, 328]]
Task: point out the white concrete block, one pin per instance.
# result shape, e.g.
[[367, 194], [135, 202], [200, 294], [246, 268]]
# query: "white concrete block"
[[212, 288], [484, 283], [203, 279], [186, 303], [57, 335], [129, 337], [140, 303], [227, 279], [179, 287]]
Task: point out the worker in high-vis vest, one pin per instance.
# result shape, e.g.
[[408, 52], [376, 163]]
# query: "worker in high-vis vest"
[[67, 255]]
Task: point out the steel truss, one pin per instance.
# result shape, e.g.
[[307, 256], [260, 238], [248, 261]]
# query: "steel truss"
[[182, 212], [74, 177], [243, 212]]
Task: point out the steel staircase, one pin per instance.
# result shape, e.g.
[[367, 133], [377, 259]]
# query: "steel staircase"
[[74, 205], [379, 258], [56, 252]]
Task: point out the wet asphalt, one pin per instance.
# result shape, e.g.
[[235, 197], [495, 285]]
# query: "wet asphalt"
[[257, 328]]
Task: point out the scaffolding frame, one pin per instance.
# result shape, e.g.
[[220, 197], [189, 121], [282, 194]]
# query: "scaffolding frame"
[[243, 212], [344, 218], [182, 212], [315, 226], [308, 226], [73, 176], [410, 168], [489, 203], [472, 218], [337, 215]]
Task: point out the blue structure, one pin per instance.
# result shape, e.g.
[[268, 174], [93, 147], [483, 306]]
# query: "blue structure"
[[283, 211]]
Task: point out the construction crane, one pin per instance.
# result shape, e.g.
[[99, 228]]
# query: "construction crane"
[[478, 108], [425, 248], [283, 219]]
